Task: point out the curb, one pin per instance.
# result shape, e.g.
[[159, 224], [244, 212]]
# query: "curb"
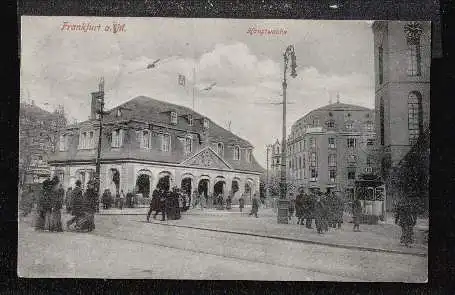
[[368, 249]]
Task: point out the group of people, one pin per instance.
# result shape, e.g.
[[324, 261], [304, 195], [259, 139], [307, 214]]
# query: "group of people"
[[109, 201], [326, 210], [169, 203], [49, 205], [50, 202]]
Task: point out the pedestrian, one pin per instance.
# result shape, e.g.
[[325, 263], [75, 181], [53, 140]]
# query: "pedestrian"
[[90, 202], [254, 206], [77, 204], [241, 203], [356, 212], [291, 205], [229, 201], [162, 204], [195, 199], [319, 214], [331, 209], [307, 209], [43, 204], [339, 210], [154, 203], [121, 199], [299, 207], [57, 196], [105, 199], [68, 195], [325, 212], [406, 218]]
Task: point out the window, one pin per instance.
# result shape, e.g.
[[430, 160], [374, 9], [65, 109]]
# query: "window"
[[236, 153], [119, 112], [303, 162], [173, 118], [300, 162], [313, 160], [188, 145], [351, 142], [165, 142], [84, 140], [91, 140], [381, 119], [313, 174], [249, 155], [413, 32], [381, 65], [312, 143], [332, 175], [278, 161], [351, 174], [62, 143], [145, 139], [369, 126], [330, 124], [220, 149], [415, 122], [370, 141], [190, 120], [332, 160], [349, 125], [352, 159], [300, 146], [315, 122], [117, 138], [332, 144], [369, 160], [368, 170], [206, 123]]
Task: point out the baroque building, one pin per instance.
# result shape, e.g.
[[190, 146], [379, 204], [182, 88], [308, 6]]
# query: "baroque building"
[[331, 147], [402, 52], [146, 141]]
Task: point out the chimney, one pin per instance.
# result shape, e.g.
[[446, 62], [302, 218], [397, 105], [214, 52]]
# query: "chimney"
[[95, 106]]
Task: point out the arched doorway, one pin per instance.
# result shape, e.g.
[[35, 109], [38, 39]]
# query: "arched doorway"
[[164, 182], [218, 189], [186, 185], [143, 185], [203, 188], [248, 191]]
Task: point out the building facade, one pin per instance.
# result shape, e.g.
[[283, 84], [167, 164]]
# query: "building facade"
[[331, 147], [402, 52], [146, 141], [38, 131]]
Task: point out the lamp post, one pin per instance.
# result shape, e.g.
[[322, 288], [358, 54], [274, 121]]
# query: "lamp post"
[[100, 112], [283, 202], [267, 182]]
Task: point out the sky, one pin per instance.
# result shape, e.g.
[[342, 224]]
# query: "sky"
[[60, 66]]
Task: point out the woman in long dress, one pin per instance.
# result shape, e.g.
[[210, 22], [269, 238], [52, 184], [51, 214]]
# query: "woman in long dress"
[[57, 203]]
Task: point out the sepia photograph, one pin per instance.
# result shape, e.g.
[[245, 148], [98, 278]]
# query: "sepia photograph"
[[224, 149]]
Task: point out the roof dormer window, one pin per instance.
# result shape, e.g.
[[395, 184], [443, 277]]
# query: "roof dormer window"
[[119, 113], [190, 120], [173, 118], [206, 123]]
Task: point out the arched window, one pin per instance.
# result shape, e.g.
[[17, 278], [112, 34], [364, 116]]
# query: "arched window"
[[236, 153], [220, 149], [413, 31], [188, 144], [415, 120]]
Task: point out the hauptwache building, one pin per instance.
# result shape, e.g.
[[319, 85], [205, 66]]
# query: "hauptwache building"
[[146, 140]]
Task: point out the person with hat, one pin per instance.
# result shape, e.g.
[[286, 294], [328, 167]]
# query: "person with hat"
[[77, 204], [57, 196]]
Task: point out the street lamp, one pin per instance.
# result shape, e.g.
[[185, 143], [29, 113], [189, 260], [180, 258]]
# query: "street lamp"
[[283, 202], [100, 112]]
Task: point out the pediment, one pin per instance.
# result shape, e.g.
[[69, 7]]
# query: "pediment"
[[206, 158]]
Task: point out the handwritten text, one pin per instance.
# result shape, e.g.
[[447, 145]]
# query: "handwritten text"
[[89, 27]]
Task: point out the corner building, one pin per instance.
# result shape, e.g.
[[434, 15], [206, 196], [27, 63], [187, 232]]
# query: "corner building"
[[145, 141], [331, 147]]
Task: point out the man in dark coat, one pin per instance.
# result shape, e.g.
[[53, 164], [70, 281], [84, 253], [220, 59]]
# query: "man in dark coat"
[[319, 214], [162, 204], [299, 207], [154, 204], [406, 218], [356, 213], [68, 201], [77, 204], [43, 205], [307, 209], [254, 206], [339, 209], [90, 202], [57, 196]]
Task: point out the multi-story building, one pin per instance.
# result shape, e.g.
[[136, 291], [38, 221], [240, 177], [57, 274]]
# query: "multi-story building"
[[37, 137], [402, 52], [330, 147], [145, 141]]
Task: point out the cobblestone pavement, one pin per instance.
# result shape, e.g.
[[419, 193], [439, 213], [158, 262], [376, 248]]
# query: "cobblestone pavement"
[[124, 246], [381, 237]]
